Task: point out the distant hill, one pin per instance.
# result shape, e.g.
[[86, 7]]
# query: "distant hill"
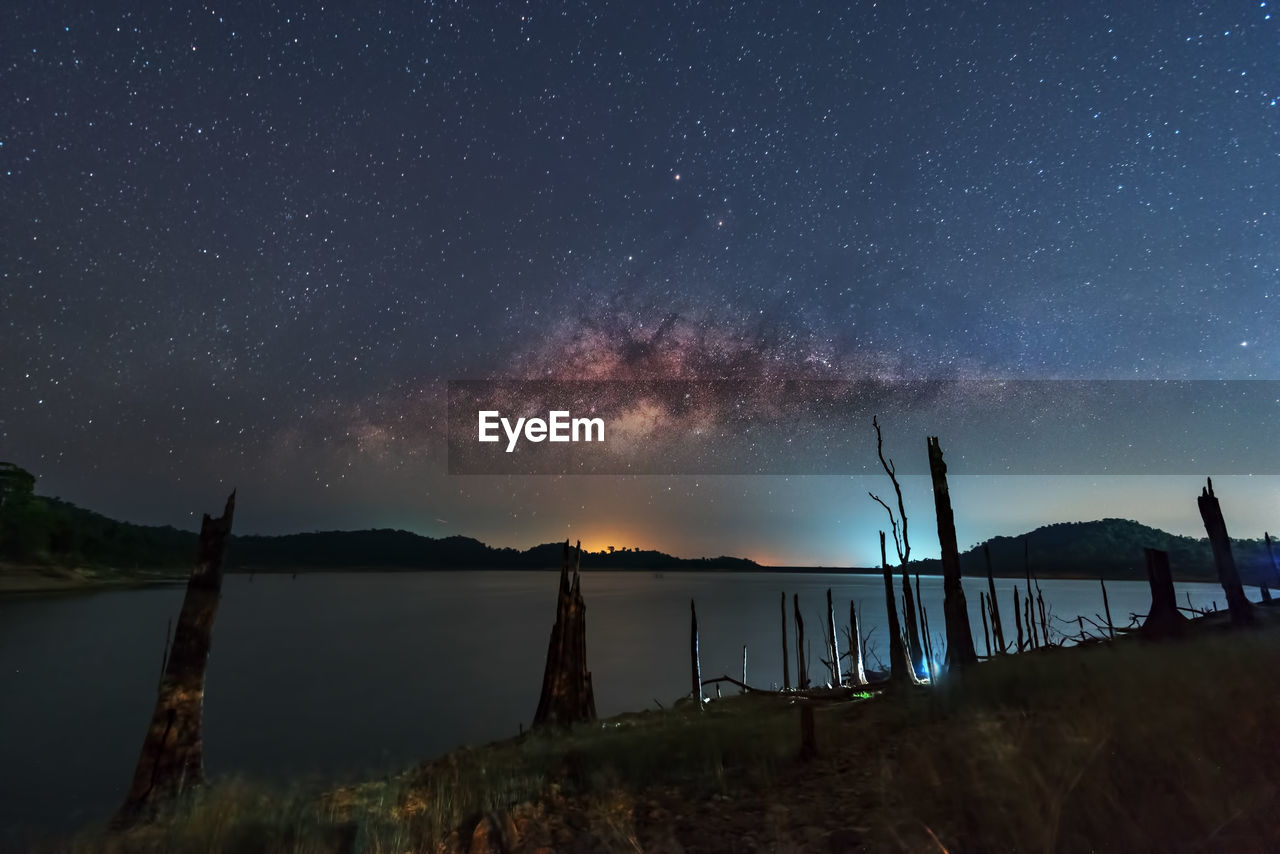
[[1107, 548], [36, 530], [389, 549]]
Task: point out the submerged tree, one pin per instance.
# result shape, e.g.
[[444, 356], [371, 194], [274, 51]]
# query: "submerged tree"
[[960, 651]]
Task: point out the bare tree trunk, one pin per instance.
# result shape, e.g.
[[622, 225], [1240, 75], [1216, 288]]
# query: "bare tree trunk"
[[1017, 615], [986, 637], [567, 694], [925, 641], [960, 651], [1164, 619], [833, 648], [1106, 609], [695, 663], [744, 668], [786, 661], [802, 667], [858, 673], [914, 647], [1216, 527], [1044, 617], [172, 757], [899, 662], [997, 627]]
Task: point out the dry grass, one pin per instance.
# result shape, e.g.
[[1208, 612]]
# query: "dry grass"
[[1130, 747]]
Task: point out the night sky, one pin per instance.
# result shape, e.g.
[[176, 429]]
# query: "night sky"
[[248, 244]]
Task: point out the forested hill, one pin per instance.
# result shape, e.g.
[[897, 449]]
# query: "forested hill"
[[1108, 548]]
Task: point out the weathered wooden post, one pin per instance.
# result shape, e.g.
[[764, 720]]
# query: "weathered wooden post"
[[567, 695], [1164, 619], [172, 756], [997, 627], [833, 647], [802, 667], [786, 662], [899, 661], [695, 663], [960, 651], [1216, 527]]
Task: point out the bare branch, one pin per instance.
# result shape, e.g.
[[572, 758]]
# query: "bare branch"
[[904, 553]]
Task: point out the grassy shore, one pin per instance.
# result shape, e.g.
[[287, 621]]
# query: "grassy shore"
[[1128, 746]]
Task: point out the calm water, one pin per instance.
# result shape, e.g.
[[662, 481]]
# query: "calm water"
[[344, 675]]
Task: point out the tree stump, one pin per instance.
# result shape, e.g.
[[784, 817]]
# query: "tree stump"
[[1164, 620], [567, 696], [1216, 527], [172, 756]]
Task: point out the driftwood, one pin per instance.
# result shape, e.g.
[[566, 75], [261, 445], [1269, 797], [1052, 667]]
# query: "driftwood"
[[960, 651], [172, 757], [1164, 619], [567, 695], [1216, 527], [786, 663]]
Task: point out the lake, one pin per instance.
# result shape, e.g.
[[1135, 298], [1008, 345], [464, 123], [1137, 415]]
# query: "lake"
[[345, 675]]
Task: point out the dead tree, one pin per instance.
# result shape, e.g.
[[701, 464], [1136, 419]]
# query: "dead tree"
[[899, 663], [1216, 527], [172, 757], [903, 548], [914, 647], [1106, 609], [1164, 619], [786, 663], [858, 670], [986, 637], [695, 660], [926, 642], [802, 667], [1017, 616], [1275, 567], [567, 695], [997, 627], [960, 651], [833, 647]]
